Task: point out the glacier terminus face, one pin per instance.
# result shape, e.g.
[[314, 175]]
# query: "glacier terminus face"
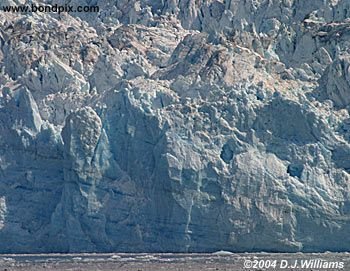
[[175, 126]]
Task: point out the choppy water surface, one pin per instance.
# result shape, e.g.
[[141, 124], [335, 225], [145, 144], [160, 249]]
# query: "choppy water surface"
[[176, 262]]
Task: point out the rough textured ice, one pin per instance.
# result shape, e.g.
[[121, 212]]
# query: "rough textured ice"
[[176, 126]]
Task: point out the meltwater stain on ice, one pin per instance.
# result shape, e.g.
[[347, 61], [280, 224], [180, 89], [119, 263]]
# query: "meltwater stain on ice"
[[2, 212]]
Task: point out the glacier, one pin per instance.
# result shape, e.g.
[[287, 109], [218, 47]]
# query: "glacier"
[[175, 126]]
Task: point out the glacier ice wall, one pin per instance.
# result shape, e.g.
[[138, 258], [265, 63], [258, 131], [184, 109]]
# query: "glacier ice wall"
[[158, 126]]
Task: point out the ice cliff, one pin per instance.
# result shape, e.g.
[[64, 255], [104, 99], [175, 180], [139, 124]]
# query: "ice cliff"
[[159, 126]]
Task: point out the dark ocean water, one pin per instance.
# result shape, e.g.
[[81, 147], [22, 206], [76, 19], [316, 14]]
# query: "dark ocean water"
[[176, 262]]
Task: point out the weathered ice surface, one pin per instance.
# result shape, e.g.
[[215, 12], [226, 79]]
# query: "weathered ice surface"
[[176, 126]]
